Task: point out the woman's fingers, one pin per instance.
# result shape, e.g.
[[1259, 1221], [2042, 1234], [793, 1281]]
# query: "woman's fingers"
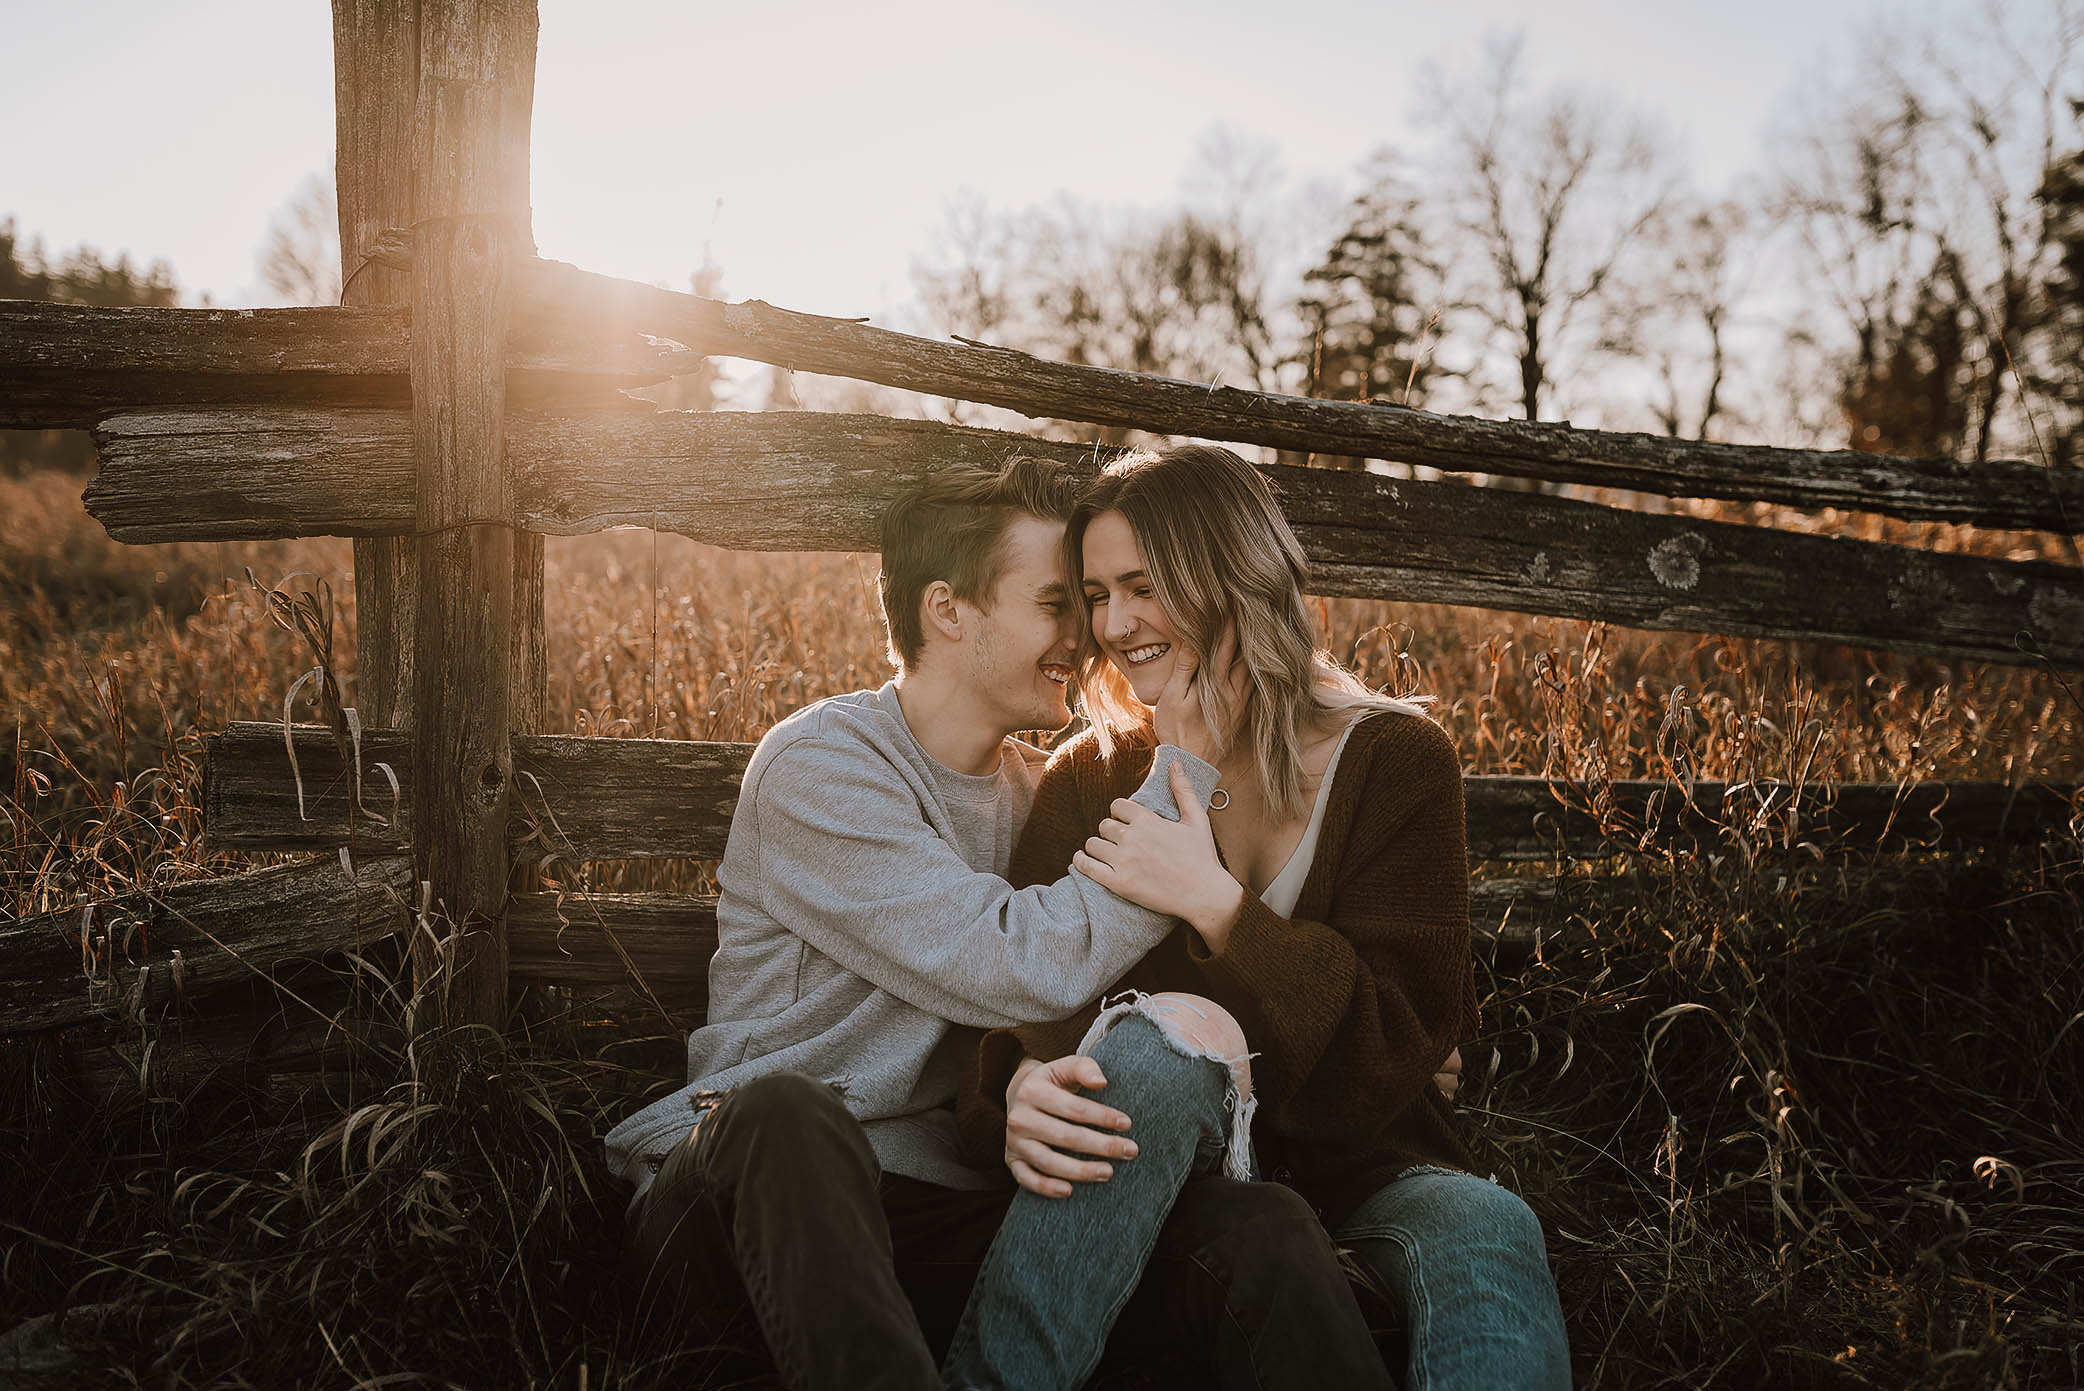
[[1191, 812]]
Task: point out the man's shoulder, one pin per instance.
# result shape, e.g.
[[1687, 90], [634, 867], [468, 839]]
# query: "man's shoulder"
[[850, 730]]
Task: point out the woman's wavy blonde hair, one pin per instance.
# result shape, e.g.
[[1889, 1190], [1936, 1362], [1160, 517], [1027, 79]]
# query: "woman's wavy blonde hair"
[[1220, 555]]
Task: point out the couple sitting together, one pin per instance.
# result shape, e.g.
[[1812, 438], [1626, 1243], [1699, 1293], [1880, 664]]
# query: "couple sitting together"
[[1196, 982]]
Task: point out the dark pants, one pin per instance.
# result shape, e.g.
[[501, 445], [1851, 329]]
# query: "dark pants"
[[855, 1278]]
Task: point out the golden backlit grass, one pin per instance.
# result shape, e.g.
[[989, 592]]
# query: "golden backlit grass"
[[1788, 1120]]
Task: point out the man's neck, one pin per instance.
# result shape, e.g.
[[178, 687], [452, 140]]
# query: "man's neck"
[[949, 723]]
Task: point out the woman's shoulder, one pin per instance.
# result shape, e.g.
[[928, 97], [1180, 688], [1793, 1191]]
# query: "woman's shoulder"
[[1084, 758], [1404, 742]]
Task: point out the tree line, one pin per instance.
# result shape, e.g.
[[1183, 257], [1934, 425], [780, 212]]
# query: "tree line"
[[1908, 278]]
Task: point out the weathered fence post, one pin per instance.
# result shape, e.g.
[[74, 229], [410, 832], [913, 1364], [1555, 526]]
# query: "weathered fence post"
[[471, 232], [376, 79]]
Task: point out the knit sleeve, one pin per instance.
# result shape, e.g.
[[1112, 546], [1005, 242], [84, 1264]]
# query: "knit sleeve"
[[1351, 1017]]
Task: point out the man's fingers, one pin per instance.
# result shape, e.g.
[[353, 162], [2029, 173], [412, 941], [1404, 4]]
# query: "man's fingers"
[[1035, 1183], [1055, 1164], [1102, 850], [1079, 1110], [1110, 829], [1071, 1139]]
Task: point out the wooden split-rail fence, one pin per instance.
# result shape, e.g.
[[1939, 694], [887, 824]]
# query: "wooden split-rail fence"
[[466, 399]]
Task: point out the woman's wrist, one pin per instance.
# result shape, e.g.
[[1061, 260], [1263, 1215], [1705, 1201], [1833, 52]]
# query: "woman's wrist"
[[1213, 916]]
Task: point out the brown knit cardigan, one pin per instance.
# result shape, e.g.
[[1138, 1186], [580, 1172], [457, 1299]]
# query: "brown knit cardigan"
[[1350, 1006]]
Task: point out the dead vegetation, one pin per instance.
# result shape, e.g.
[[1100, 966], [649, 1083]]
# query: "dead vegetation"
[[1791, 1118]]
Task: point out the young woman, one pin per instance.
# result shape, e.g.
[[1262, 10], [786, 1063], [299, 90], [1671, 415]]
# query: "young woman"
[[1323, 899]]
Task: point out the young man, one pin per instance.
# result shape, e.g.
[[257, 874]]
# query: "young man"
[[810, 1167]]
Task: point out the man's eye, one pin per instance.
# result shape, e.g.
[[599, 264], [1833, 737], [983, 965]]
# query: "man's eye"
[[1096, 599]]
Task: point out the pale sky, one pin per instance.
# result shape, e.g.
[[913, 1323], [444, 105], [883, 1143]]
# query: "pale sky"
[[837, 134]]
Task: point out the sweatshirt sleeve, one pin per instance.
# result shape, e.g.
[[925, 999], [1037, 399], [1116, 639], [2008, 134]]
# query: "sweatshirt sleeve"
[[848, 862], [1351, 1017], [1067, 806]]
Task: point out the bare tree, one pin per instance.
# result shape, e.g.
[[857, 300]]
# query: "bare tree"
[[1183, 294], [1549, 198], [1685, 327], [300, 260], [1918, 193]]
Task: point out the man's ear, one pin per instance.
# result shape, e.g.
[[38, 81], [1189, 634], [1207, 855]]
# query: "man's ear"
[[938, 612]]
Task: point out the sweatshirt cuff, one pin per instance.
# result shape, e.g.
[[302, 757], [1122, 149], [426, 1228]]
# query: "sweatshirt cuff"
[[1156, 791]]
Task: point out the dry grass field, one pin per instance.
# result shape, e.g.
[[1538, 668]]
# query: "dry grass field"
[[1790, 1119]]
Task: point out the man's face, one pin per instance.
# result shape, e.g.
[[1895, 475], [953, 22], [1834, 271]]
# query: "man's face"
[[1019, 665]]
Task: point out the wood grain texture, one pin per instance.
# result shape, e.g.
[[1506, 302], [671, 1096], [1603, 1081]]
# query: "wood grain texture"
[[67, 365], [805, 481], [225, 929], [644, 798], [1992, 493], [376, 79], [612, 799], [472, 628]]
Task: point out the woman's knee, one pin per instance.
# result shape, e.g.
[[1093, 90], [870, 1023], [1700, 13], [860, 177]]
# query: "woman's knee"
[[1200, 1023], [1197, 1027], [1464, 1210]]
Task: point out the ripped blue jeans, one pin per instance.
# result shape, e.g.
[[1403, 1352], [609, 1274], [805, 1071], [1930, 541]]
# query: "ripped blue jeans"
[[1062, 1270]]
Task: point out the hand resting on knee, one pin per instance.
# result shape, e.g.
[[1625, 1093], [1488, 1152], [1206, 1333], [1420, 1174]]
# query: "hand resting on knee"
[[1050, 1122]]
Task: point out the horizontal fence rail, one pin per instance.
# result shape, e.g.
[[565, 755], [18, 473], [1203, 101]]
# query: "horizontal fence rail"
[[667, 939], [809, 481], [117, 956], [577, 334], [612, 799], [1992, 493], [654, 944], [67, 365]]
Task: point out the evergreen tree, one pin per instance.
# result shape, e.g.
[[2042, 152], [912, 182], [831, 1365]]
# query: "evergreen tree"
[[1365, 305]]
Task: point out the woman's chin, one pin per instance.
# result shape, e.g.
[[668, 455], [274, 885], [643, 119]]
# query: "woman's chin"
[[1147, 685]]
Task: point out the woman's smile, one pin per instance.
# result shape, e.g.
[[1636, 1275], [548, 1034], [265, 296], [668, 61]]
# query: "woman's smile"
[[1129, 623]]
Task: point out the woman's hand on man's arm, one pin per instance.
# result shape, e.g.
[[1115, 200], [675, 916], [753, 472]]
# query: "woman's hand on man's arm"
[[1166, 866], [1048, 1123]]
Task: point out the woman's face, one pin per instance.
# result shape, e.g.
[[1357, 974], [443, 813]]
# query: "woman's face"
[[1129, 623]]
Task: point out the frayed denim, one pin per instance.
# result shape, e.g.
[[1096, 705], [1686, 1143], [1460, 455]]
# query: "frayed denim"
[[1463, 1258], [1061, 1269]]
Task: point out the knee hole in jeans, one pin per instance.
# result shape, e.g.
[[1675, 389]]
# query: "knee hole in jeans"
[[1203, 1027]]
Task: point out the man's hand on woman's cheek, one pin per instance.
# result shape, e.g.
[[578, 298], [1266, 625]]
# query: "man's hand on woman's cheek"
[[1049, 1123]]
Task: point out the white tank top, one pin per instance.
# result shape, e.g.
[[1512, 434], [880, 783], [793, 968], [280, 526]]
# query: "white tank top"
[[1286, 887]]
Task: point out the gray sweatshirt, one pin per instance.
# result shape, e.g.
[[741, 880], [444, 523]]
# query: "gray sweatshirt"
[[866, 932]]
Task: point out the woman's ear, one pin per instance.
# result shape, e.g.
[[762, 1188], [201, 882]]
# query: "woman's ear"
[[939, 613]]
